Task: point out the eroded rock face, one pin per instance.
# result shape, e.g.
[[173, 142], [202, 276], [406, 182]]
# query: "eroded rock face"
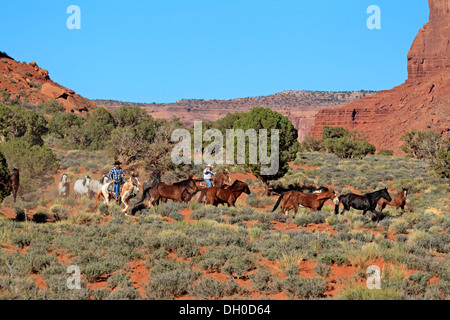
[[28, 83], [421, 103], [430, 51]]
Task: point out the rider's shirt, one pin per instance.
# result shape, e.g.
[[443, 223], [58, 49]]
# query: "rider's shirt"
[[116, 174]]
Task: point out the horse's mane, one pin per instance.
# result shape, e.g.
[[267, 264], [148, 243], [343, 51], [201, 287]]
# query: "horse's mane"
[[236, 185], [182, 183]]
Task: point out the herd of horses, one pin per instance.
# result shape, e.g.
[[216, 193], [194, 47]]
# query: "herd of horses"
[[223, 192]]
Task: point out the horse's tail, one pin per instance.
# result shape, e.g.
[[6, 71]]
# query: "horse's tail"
[[145, 194], [336, 206], [278, 202], [97, 199]]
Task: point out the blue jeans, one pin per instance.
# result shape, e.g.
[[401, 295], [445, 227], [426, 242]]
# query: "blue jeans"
[[208, 182], [116, 188]]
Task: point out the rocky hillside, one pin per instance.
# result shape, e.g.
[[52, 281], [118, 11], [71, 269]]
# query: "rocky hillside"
[[28, 83], [421, 103], [300, 106]]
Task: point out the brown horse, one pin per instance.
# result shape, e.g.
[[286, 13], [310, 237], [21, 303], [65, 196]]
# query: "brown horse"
[[222, 179], [180, 191], [228, 195], [15, 182], [398, 201], [315, 201]]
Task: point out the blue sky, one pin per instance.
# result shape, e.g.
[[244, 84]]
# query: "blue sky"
[[166, 50]]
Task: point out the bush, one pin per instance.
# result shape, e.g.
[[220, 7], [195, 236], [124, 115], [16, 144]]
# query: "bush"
[[322, 270], [208, 288], [346, 144], [172, 283], [333, 258], [37, 163], [261, 280], [305, 288], [5, 179], [385, 152]]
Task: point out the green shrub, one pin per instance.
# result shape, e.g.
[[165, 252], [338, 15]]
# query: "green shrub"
[[305, 288], [333, 258]]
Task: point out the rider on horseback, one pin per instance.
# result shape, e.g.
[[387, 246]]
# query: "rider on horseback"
[[207, 175], [116, 174]]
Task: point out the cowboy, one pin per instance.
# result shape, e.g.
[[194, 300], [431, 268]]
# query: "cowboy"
[[116, 174], [207, 175]]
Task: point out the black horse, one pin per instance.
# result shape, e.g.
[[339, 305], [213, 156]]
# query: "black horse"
[[366, 202], [147, 186]]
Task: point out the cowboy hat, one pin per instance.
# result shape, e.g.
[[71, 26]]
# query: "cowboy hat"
[[117, 163], [209, 165]]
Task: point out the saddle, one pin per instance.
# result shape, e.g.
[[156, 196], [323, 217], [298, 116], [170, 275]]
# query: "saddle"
[[111, 187]]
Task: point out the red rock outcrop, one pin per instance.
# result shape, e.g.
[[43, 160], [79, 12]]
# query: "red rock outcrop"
[[28, 83], [421, 103], [430, 51]]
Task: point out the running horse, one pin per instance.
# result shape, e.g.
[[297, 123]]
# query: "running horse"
[[179, 192], [129, 191], [398, 201], [314, 201], [228, 195], [365, 202], [15, 182], [220, 180]]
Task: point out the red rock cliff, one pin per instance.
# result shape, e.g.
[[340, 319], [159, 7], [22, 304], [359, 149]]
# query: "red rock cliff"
[[28, 83], [421, 103]]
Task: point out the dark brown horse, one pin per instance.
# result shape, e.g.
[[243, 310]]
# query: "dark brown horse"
[[228, 195], [222, 179], [398, 200], [315, 201], [180, 191], [15, 182]]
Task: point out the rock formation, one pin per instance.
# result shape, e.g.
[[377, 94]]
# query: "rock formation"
[[29, 84], [421, 103]]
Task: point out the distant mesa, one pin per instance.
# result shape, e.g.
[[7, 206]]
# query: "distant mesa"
[[300, 107]]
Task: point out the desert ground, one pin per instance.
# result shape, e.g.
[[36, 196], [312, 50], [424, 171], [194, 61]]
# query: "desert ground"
[[188, 251]]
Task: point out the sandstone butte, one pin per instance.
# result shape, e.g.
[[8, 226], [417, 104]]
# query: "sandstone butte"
[[421, 103], [27, 83]]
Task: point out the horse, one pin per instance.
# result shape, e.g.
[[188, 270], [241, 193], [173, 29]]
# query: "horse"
[[180, 191], [147, 187], [314, 201], [129, 191], [220, 179], [366, 202], [229, 195], [95, 185], [64, 186], [398, 201], [15, 182], [81, 187]]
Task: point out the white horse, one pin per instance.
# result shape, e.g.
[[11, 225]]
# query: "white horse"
[[95, 185], [81, 187], [64, 186]]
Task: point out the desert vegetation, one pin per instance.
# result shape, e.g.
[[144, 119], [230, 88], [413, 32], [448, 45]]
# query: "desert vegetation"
[[197, 251]]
